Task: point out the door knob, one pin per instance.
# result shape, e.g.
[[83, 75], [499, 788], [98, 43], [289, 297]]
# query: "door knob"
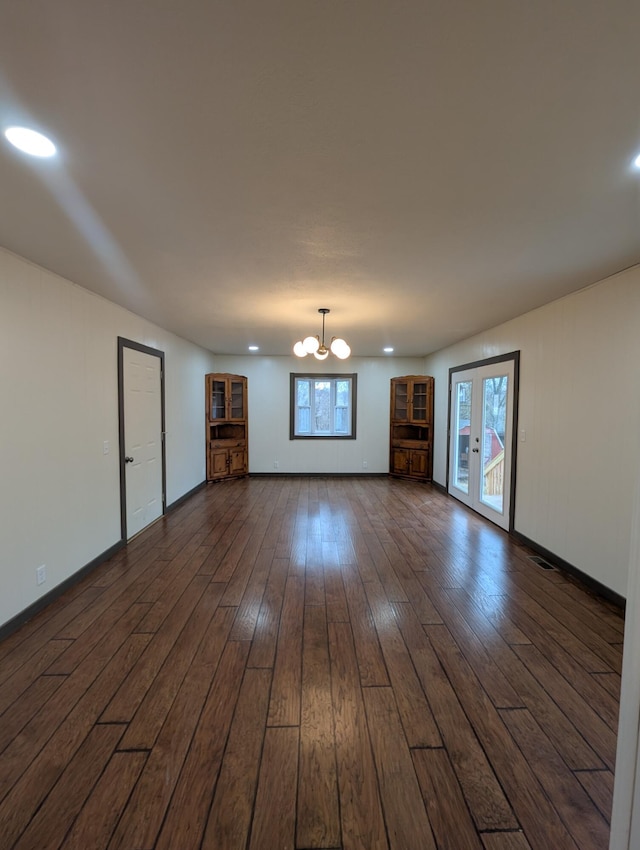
[[130, 459]]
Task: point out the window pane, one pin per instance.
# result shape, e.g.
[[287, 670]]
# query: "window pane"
[[342, 393], [322, 404], [303, 393], [304, 420]]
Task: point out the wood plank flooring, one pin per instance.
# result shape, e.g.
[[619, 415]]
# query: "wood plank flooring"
[[313, 663]]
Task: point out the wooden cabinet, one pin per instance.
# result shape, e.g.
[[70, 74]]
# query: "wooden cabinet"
[[411, 427], [227, 426]]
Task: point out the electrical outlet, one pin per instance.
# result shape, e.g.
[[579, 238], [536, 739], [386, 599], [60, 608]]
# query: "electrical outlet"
[[105, 447], [364, 464], [276, 464], [41, 574]]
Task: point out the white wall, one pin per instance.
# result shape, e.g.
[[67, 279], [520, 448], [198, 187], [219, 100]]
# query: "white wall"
[[268, 383], [579, 406], [59, 494]]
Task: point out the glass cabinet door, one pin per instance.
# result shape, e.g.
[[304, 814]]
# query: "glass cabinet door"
[[218, 400], [400, 400], [419, 404], [237, 400]]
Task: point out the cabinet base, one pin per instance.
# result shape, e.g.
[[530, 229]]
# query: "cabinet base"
[[419, 478]]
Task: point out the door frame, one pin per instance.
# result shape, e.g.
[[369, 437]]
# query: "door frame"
[[625, 814], [154, 352], [490, 361]]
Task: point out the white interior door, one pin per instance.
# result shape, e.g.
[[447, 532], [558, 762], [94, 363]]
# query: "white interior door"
[[142, 401], [481, 435]]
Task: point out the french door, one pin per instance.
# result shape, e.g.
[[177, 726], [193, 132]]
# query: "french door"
[[481, 437]]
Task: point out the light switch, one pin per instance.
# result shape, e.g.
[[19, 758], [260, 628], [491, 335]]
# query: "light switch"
[[105, 447]]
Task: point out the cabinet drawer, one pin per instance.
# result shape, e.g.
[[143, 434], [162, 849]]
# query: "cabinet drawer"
[[410, 444], [226, 444]]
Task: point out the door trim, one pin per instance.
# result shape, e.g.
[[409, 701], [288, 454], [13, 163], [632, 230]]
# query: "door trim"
[[154, 352], [490, 361]]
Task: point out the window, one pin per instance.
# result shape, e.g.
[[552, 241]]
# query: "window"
[[323, 406]]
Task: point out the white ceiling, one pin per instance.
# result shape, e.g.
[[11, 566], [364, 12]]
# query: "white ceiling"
[[426, 169]]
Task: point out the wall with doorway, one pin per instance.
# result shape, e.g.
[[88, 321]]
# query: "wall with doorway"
[[579, 421], [60, 497]]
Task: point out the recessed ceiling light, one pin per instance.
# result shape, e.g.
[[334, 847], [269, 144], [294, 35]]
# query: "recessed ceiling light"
[[636, 161], [30, 141], [253, 348], [388, 350]]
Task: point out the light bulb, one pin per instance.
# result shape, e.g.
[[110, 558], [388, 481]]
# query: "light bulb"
[[311, 344], [299, 349], [321, 353], [340, 348]]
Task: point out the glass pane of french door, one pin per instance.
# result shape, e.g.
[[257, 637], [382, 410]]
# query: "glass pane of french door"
[[462, 423], [494, 426]]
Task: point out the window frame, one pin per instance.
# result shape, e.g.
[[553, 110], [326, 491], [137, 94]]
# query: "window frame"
[[322, 376]]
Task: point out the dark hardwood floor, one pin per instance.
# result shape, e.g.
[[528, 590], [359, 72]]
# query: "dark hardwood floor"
[[313, 663]]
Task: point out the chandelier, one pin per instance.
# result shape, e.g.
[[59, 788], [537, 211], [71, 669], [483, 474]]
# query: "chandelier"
[[312, 344]]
